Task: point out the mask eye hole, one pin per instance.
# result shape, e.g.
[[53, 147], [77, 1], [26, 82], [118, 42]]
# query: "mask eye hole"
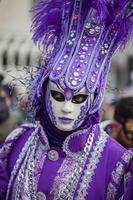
[[81, 98], [58, 96]]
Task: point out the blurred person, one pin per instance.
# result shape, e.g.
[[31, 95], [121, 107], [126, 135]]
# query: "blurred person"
[[64, 155], [9, 119], [122, 129], [107, 109], [121, 126]]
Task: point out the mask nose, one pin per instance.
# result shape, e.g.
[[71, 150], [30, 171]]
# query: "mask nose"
[[66, 108]]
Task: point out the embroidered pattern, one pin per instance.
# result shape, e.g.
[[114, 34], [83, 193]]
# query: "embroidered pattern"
[[73, 172], [111, 192], [66, 144], [118, 174], [40, 157], [24, 185], [81, 116], [49, 108], [127, 157], [63, 176], [126, 179], [91, 166], [6, 148], [16, 168]]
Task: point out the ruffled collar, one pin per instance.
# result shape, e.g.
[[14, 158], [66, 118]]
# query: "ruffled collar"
[[73, 144]]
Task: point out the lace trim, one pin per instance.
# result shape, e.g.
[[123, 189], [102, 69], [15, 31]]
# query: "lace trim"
[[66, 148]]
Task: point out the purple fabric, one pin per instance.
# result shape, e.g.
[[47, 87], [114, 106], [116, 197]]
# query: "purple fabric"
[[18, 147], [3, 180], [49, 172], [98, 189]]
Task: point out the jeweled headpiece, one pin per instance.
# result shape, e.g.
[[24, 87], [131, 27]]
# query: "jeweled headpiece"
[[79, 38]]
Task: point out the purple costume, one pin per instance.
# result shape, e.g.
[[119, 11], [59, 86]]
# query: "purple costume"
[[39, 161], [43, 172]]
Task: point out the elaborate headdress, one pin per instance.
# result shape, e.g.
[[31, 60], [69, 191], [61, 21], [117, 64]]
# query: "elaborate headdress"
[[78, 38]]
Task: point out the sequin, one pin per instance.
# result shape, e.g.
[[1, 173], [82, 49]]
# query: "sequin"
[[62, 61], [66, 56], [106, 45], [91, 31], [76, 74], [97, 28], [74, 82], [59, 68], [82, 56], [87, 25], [85, 48], [92, 79]]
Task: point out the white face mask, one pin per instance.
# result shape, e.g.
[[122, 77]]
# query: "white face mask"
[[67, 108]]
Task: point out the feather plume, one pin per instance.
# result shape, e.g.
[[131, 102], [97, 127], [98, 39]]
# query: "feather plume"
[[47, 22]]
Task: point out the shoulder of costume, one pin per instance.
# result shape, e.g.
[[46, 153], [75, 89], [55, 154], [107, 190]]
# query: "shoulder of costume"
[[122, 175], [24, 130], [115, 148], [16, 133]]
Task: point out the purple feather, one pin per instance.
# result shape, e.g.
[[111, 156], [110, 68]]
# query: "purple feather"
[[47, 22], [47, 25]]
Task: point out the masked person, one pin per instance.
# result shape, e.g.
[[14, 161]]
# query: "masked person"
[[65, 155]]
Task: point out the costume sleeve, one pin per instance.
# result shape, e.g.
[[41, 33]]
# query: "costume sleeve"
[[3, 180], [121, 184], [5, 153], [128, 195]]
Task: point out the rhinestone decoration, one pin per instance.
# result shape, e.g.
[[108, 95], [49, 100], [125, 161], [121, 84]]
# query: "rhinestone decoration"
[[76, 74], [91, 166], [74, 82], [53, 155], [87, 25], [41, 196], [76, 174], [86, 47], [67, 51], [106, 45]]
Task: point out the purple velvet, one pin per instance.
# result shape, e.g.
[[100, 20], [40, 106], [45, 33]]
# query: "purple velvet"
[[3, 180], [98, 189]]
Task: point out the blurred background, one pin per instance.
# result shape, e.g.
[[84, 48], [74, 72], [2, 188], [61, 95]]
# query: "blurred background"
[[18, 51]]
